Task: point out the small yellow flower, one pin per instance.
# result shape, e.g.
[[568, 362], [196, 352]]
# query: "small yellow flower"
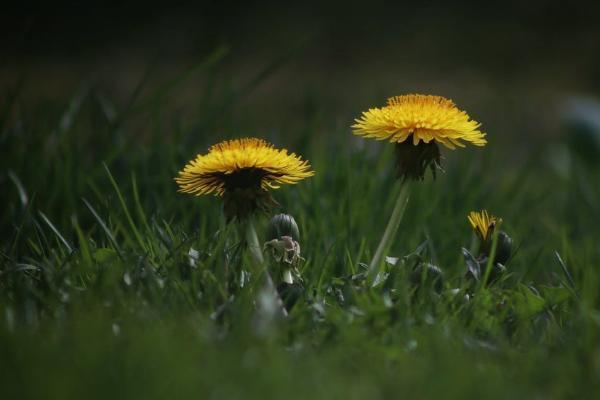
[[416, 123], [242, 171], [416, 118], [483, 223]]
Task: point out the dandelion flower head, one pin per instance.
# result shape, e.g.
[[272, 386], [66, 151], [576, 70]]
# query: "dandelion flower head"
[[483, 223], [242, 171]]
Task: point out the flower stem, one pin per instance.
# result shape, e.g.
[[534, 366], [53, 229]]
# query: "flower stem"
[[254, 244], [257, 256], [390, 232]]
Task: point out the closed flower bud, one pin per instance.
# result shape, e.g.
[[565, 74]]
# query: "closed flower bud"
[[283, 225], [503, 248]]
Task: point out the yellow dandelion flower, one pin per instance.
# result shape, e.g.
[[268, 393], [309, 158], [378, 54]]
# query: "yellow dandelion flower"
[[242, 171], [420, 118], [241, 163], [415, 123], [483, 223]]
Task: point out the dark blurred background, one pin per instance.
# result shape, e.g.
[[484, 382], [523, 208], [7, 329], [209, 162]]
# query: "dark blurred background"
[[517, 57]]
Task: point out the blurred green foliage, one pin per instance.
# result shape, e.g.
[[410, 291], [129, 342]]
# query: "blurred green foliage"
[[99, 296]]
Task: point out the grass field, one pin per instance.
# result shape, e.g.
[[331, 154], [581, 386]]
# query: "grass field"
[[98, 298]]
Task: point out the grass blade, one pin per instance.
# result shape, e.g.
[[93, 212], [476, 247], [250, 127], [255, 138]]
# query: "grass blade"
[[134, 229], [565, 270], [56, 232], [138, 204], [104, 227], [20, 188]]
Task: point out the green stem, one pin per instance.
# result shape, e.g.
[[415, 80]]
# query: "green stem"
[[490, 263], [254, 244], [257, 256], [390, 232]]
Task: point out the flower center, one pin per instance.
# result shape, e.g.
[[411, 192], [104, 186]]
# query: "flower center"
[[245, 178]]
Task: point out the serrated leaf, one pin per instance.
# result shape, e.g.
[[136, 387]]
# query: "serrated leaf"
[[555, 294], [526, 303]]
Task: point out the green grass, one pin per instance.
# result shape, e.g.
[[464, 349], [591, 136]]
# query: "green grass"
[[98, 298]]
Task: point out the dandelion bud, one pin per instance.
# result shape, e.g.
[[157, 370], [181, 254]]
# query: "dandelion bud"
[[283, 225], [503, 248], [285, 252]]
